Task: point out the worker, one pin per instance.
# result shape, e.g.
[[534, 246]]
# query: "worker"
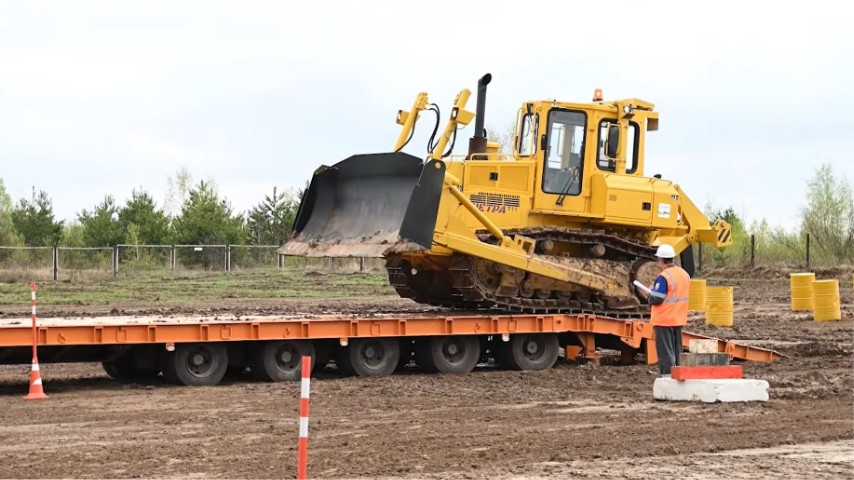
[[669, 300]]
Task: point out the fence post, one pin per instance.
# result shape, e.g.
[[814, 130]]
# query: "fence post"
[[361, 264], [281, 260], [700, 258], [752, 249], [808, 251], [55, 263], [115, 261], [228, 258], [172, 259]]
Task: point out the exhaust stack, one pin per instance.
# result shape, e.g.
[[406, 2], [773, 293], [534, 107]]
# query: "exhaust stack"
[[477, 143]]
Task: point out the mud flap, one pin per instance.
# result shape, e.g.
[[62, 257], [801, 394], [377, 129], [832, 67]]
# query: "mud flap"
[[367, 204]]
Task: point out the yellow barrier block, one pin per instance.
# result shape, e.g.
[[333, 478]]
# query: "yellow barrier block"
[[801, 284], [697, 296], [825, 296]]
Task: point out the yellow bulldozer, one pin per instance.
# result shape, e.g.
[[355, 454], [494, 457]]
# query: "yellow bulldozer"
[[564, 222]]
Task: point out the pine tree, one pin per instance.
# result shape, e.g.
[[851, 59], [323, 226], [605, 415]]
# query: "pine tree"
[[35, 222]]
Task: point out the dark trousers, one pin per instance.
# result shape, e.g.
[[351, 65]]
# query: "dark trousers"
[[668, 346]]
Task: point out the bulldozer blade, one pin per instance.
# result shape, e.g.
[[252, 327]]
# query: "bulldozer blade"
[[366, 205]]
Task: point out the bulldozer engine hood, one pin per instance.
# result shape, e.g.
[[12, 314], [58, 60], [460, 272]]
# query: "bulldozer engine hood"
[[366, 205]]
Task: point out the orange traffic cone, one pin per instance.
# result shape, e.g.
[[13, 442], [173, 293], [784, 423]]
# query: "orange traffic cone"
[[36, 389]]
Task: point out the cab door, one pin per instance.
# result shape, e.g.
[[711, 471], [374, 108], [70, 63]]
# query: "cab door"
[[561, 176]]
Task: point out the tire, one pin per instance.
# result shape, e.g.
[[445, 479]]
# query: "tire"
[[369, 357], [124, 370], [448, 354], [196, 364], [530, 351], [281, 360]]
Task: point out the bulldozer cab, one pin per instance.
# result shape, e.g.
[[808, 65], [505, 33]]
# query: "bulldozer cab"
[[572, 144]]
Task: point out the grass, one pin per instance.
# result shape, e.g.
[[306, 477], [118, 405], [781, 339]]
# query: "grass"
[[195, 289]]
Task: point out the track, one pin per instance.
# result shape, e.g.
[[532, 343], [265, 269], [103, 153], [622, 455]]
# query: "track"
[[470, 283]]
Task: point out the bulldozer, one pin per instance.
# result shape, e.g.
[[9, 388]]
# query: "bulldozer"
[[563, 222]]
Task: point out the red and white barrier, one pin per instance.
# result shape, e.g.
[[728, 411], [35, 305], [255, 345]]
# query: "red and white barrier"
[[36, 388], [302, 447]]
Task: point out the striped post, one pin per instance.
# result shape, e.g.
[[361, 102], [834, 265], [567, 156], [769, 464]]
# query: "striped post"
[[36, 387], [302, 447]]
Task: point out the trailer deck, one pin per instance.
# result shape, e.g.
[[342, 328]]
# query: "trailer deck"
[[106, 339]]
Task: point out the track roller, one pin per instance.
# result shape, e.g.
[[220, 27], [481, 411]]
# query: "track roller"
[[280, 360], [369, 357], [529, 351], [448, 354], [196, 364]]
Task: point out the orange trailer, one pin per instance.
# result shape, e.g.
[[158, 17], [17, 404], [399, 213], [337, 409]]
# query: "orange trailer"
[[198, 350]]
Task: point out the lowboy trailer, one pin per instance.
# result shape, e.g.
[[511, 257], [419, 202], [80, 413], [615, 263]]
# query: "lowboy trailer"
[[200, 350]]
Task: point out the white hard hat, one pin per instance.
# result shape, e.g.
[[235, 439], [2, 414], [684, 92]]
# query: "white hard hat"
[[665, 251]]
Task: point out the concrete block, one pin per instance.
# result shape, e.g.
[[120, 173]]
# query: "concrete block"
[[703, 359], [703, 346], [711, 391]]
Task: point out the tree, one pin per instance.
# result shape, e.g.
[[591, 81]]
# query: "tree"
[[177, 191], [101, 227], [503, 137], [829, 215], [73, 235], [740, 248], [35, 222], [207, 219], [8, 234], [270, 221], [142, 222]]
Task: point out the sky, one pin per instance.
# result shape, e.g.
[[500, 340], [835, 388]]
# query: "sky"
[[101, 98]]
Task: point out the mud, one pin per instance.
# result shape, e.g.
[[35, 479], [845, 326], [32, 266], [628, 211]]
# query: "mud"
[[583, 420]]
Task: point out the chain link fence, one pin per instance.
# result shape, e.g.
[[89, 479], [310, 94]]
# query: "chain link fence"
[[128, 261]]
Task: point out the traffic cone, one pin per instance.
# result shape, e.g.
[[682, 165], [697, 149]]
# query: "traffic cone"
[[36, 389]]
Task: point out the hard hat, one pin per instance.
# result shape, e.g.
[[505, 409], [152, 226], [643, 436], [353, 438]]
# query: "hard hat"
[[665, 251]]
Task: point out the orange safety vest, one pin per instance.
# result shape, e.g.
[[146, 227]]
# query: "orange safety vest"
[[674, 311]]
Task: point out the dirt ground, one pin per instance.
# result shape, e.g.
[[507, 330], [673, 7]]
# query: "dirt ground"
[[583, 420]]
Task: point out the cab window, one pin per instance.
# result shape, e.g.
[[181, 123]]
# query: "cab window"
[[562, 172], [603, 162], [527, 134]]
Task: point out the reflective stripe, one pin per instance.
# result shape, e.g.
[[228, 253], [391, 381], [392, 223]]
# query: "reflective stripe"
[[671, 284], [677, 300], [305, 388], [303, 427]]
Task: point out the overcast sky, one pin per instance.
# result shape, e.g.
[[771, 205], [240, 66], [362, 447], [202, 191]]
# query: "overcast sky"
[[100, 98]]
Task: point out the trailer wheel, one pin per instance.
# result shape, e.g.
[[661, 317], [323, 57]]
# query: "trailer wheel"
[[196, 364], [531, 351], [281, 360], [124, 370], [448, 354], [369, 357]]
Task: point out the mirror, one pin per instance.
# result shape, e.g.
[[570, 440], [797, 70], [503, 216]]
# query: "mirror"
[[613, 141]]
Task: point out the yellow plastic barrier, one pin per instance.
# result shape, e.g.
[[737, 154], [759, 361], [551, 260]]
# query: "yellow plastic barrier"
[[697, 296], [825, 295], [801, 284], [719, 306]]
